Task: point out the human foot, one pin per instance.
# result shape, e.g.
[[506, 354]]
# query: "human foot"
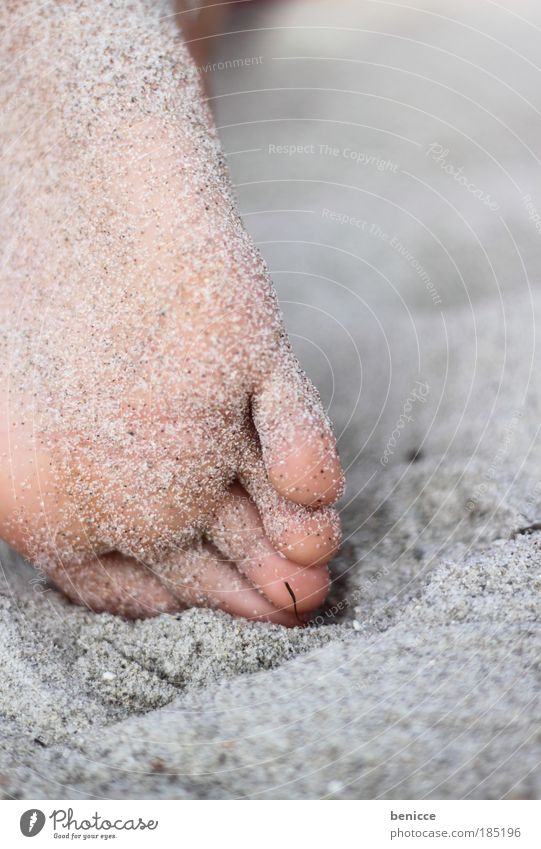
[[147, 368]]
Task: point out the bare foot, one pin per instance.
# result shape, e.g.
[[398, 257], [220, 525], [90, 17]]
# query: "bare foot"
[[159, 444]]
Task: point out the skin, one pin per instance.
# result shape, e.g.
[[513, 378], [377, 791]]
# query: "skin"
[[160, 446]]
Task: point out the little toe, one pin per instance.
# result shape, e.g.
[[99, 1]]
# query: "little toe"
[[113, 583], [298, 445], [239, 535]]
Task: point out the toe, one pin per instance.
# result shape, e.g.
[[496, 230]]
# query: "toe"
[[113, 583], [315, 542], [299, 448], [239, 535], [307, 471], [305, 536], [200, 577]]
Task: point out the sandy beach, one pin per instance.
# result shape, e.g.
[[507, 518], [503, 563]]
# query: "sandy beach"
[[386, 163]]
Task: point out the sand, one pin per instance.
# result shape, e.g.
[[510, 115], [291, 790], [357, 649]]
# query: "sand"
[[412, 303]]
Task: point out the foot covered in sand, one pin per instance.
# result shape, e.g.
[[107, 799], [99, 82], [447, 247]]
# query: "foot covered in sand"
[[160, 446]]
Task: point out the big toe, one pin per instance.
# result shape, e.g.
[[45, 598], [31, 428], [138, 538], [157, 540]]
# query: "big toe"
[[307, 470], [299, 448]]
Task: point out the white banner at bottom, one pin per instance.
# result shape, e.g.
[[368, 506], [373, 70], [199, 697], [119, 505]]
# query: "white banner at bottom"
[[513, 824]]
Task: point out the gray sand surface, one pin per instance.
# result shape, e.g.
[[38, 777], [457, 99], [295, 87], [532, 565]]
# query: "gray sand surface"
[[422, 677]]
